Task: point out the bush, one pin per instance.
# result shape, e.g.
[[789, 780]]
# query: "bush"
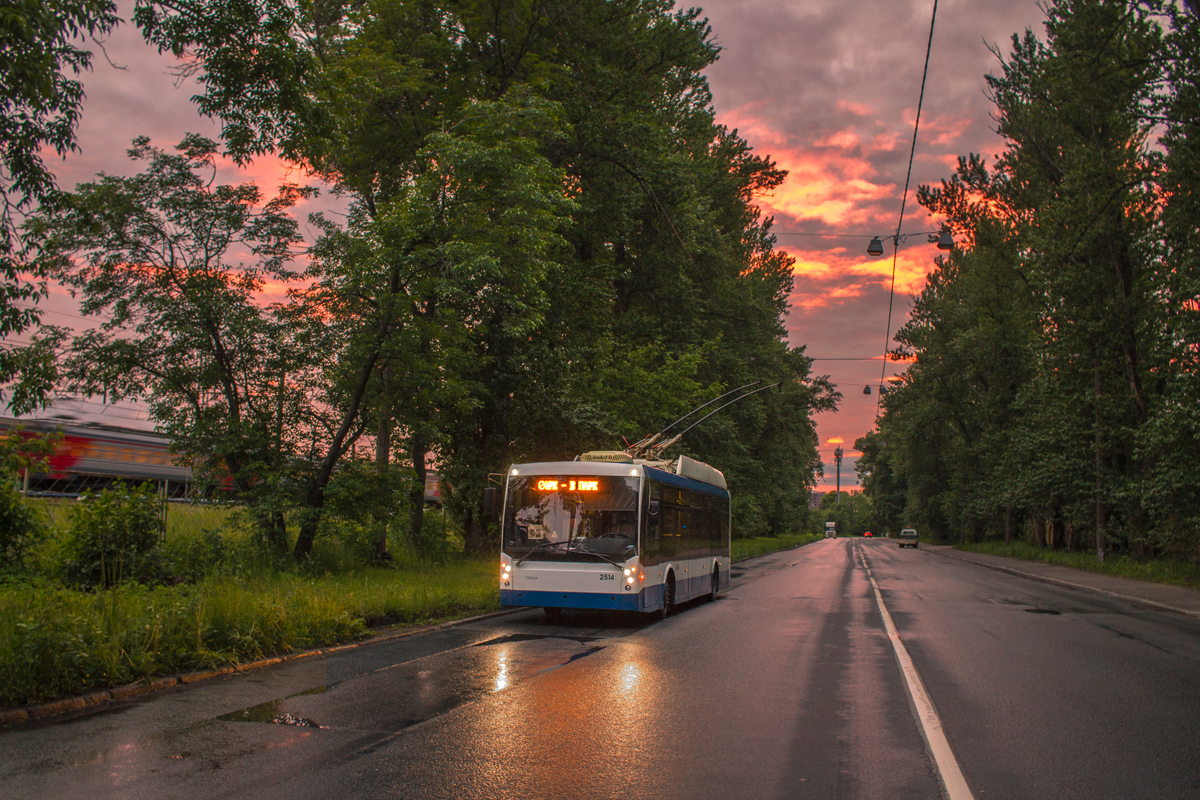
[[19, 527], [114, 537], [440, 540], [192, 558]]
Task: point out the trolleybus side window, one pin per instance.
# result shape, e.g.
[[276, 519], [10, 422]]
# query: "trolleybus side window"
[[670, 532], [683, 523]]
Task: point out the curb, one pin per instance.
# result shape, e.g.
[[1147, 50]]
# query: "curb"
[[105, 697], [1080, 587]]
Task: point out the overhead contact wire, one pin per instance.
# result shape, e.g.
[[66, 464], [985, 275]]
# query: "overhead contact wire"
[[903, 202]]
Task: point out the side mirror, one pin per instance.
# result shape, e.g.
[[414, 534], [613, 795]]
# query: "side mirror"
[[489, 499]]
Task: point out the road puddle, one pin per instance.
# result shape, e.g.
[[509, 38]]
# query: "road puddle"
[[397, 697], [273, 713]]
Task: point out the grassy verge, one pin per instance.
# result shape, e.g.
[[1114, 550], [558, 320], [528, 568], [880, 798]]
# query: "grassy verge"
[[56, 642], [749, 548], [1170, 571]]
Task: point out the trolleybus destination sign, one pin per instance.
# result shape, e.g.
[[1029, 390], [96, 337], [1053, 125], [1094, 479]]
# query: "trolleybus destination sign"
[[573, 485]]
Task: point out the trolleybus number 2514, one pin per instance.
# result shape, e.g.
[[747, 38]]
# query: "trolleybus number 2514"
[[608, 531]]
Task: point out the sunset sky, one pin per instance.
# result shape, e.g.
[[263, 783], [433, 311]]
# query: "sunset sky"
[[826, 88]]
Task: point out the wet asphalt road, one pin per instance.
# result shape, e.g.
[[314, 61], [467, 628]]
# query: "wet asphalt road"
[[785, 687]]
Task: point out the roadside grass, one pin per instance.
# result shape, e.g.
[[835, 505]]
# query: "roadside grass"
[[183, 518], [56, 642], [1160, 570], [760, 545], [237, 607]]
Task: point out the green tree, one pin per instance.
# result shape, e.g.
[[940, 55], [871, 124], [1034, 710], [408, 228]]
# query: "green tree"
[[881, 482], [1170, 485], [852, 511], [667, 271], [1052, 349], [20, 524], [458, 253], [39, 108], [182, 324]]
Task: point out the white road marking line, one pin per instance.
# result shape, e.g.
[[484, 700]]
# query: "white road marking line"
[[931, 725]]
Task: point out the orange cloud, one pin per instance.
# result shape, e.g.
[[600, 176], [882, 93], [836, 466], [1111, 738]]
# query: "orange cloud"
[[842, 274], [830, 180], [820, 188], [887, 142], [845, 140]]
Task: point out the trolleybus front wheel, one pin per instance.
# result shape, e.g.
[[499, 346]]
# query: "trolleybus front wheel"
[[668, 597], [716, 584]]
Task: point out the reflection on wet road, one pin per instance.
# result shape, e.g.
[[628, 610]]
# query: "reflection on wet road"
[[391, 699], [787, 686]]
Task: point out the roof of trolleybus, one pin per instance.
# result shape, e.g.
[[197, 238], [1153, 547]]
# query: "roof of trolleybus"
[[635, 469]]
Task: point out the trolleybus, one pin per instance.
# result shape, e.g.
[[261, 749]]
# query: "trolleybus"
[[608, 531]]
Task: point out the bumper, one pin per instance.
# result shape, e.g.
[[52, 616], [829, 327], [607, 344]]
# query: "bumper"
[[612, 601]]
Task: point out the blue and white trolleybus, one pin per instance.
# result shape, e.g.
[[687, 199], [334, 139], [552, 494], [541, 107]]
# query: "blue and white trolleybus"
[[608, 531]]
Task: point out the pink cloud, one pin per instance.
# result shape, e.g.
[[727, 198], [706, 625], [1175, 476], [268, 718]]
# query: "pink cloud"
[[843, 140], [857, 109], [945, 131], [831, 180]]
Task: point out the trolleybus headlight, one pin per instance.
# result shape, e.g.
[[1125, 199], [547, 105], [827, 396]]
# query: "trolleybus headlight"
[[629, 579], [628, 572]]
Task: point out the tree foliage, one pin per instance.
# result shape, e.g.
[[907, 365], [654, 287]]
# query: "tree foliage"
[[622, 275], [551, 247], [158, 261], [40, 102], [1051, 353]]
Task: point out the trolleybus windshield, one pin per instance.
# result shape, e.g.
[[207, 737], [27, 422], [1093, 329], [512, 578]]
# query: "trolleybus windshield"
[[572, 517]]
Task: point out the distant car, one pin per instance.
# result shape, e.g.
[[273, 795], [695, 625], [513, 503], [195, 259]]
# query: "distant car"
[[908, 537], [867, 534]]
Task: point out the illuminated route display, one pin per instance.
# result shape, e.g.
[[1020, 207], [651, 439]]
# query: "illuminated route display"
[[567, 485]]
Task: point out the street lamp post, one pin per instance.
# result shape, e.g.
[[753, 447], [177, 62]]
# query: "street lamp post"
[[837, 456]]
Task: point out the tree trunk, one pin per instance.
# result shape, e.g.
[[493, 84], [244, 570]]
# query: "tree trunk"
[[383, 449], [1101, 544], [343, 440], [475, 533], [416, 497], [310, 518], [271, 523]]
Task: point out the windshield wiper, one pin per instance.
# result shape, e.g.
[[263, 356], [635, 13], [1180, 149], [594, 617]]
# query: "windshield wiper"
[[582, 547], [542, 546]]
